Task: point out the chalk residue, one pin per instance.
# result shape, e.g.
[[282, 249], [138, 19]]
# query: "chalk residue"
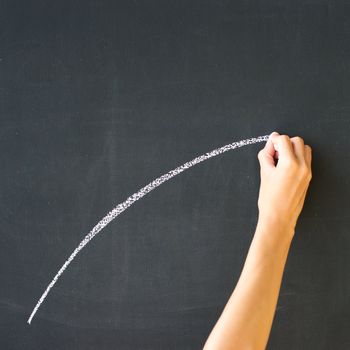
[[132, 199]]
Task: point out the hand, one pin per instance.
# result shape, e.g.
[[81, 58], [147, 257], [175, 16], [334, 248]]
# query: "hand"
[[283, 185]]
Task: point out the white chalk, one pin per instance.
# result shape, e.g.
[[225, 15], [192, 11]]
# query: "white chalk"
[[132, 199]]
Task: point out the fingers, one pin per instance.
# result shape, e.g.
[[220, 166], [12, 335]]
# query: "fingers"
[[283, 145], [286, 150], [302, 151], [299, 148], [308, 155]]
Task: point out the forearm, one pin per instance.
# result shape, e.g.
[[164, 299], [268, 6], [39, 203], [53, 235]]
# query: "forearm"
[[285, 169], [247, 318]]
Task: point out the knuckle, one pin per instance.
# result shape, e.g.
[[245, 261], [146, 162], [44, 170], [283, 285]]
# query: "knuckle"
[[298, 139]]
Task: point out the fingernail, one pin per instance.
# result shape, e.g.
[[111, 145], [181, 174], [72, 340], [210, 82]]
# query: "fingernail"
[[274, 133]]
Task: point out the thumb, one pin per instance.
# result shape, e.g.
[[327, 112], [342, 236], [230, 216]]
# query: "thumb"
[[267, 155]]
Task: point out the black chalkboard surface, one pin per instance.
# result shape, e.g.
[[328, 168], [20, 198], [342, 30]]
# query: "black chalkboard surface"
[[99, 98]]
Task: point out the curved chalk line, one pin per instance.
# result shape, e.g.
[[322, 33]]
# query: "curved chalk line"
[[135, 197]]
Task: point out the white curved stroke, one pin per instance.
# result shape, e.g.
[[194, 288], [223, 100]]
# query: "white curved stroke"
[[135, 197]]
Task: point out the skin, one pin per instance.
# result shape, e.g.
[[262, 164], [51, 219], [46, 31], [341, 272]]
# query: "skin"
[[285, 171]]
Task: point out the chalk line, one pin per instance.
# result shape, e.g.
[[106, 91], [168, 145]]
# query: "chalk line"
[[135, 197]]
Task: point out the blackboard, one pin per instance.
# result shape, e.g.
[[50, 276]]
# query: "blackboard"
[[99, 98]]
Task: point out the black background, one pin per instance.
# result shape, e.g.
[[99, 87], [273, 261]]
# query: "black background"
[[97, 98]]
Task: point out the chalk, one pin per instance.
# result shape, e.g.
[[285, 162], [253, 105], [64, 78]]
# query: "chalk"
[[131, 200]]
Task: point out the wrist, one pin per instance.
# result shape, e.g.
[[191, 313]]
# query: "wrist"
[[276, 219], [275, 228]]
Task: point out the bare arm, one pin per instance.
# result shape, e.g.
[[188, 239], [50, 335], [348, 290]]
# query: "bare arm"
[[246, 320]]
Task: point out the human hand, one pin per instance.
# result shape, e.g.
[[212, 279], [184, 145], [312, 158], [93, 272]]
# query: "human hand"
[[283, 185]]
